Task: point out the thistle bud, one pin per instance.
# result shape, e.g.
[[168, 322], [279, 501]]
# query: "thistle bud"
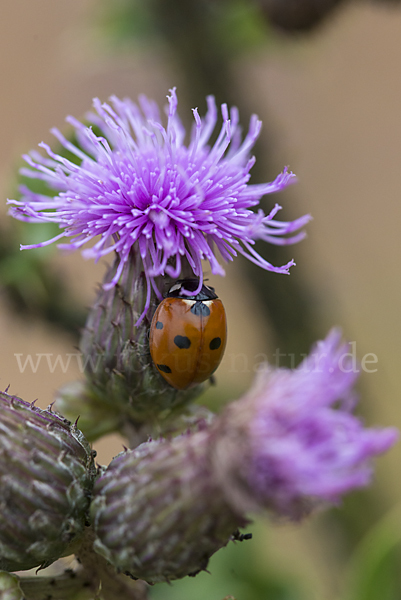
[[46, 476], [292, 443], [157, 511], [115, 346], [9, 587]]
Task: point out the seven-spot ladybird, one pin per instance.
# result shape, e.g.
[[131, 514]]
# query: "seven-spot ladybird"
[[188, 334]]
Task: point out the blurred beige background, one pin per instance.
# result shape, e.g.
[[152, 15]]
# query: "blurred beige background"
[[336, 106]]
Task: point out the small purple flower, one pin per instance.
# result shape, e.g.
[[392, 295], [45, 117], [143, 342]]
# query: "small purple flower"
[[301, 443], [140, 187]]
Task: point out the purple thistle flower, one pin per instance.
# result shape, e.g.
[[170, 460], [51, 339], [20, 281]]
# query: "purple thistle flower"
[[139, 187], [301, 443]]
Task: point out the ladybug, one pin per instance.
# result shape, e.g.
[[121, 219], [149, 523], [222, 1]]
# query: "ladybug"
[[188, 334]]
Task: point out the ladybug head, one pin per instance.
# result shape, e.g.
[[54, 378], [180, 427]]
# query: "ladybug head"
[[181, 288]]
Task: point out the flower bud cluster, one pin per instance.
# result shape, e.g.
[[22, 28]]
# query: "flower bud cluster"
[[291, 444], [159, 511]]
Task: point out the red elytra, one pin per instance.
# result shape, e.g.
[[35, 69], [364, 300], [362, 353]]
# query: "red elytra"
[[188, 334]]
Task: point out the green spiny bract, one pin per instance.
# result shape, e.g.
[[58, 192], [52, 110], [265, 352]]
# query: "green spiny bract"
[[46, 478]]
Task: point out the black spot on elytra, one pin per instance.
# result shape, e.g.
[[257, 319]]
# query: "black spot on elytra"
[[159, 325], [182, 341], [215, 343], [164, 368], [200, 309]]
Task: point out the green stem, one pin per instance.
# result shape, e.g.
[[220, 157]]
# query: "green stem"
[[70, 585], [111, 585]]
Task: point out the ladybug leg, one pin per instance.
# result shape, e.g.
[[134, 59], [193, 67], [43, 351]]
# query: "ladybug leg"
[[212, 380]]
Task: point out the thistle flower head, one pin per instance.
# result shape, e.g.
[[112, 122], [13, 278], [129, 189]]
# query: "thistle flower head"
[[300, 444], [138, 186]]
